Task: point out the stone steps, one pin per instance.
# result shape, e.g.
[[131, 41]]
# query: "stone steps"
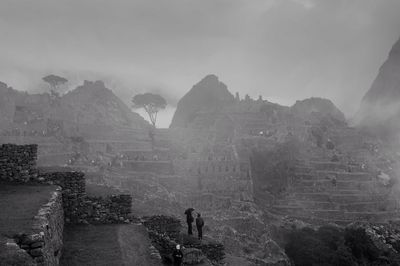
[[334, 197], [331, 185], [326, 165], [323, 205], [354, 189], [339, 176], [337, 214]]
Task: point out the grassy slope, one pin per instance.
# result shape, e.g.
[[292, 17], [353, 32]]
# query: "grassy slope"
[[106, 245], [91, 245], [19, 204]]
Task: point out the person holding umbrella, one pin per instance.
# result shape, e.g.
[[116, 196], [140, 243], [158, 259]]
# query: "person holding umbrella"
[[189, 220]]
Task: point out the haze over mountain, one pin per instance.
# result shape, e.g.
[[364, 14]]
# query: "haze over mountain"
[[284, 50], [380, 107], [91, 104]]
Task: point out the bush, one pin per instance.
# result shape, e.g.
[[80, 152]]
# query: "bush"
[[332, 246], [360, 244]]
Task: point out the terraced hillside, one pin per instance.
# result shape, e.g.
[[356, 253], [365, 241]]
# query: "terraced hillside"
[[347, 183]]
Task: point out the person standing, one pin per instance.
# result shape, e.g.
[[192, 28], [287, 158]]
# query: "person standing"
[[177, 255], [189, 220], [199, 225]]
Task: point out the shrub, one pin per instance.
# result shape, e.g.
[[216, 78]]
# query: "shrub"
[[332, 246]]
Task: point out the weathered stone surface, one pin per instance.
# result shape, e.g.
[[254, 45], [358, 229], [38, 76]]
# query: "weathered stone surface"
[[17, 162]]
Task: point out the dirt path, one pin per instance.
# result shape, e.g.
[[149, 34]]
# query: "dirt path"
[[134, 244]]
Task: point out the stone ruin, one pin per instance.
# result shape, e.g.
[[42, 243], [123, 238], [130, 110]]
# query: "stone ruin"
[[67, 204]]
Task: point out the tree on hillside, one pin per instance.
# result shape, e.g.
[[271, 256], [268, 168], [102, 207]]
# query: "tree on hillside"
[[55, 82], [152, 104]]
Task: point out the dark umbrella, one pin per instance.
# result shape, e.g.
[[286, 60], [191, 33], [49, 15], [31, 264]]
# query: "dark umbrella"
[[189, 211]]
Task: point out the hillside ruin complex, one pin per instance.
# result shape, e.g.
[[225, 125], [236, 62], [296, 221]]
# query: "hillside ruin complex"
[[248, 165]]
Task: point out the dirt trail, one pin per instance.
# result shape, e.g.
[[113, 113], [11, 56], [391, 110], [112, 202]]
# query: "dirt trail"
[[134, 244]]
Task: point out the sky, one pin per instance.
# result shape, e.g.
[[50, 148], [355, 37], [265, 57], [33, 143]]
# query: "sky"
[[284, 50]]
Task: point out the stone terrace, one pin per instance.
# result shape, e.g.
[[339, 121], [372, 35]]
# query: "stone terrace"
[[324, 191]]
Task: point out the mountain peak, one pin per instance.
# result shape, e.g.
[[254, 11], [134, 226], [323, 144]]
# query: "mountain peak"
[[209, 94], [380, 107]]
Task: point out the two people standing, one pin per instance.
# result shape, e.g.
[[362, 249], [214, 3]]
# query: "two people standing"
[[177, 254], [199, 223]]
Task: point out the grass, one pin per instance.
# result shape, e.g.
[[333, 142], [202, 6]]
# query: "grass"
[[91, 245], [101, 245], [18, 206], [93, 190]]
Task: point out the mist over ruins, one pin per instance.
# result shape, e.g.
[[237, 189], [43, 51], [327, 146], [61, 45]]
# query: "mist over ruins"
[[200, 133]]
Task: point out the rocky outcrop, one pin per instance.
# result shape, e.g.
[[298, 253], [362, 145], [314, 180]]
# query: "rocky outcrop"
[[208, 95], [315, 110], [380, 107]]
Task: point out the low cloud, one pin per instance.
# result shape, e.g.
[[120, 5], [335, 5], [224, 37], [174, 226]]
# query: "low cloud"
[[284, 50]]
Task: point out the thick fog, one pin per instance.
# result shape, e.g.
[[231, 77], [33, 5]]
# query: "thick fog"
[[284, 50]]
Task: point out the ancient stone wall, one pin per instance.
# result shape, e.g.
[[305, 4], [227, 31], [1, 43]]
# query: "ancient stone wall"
[[44, 242], [111, 209], [17, 162], [73, 192], [79, 208]]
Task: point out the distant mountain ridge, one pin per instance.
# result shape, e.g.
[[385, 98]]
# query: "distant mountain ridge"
[[90, 104], [210, 98]]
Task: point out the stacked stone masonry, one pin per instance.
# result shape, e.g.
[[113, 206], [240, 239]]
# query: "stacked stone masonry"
[[69, 203], [79, 208], [17, 162], [44, 242]]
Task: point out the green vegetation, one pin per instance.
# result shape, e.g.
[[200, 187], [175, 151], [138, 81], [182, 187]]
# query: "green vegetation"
[[151, 103], [333, 246], [55, 82], [104, 245]]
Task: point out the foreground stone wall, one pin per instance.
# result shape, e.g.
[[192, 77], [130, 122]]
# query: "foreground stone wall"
[[79, 208], [17, 162], [73, 192], [44, 242]]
